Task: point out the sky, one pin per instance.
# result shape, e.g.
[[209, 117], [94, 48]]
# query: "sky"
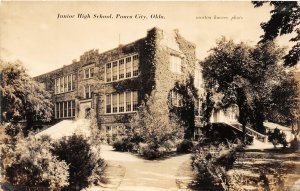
[[32, 32]]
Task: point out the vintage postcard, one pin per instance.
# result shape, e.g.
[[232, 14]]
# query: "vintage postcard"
[[156, 96]]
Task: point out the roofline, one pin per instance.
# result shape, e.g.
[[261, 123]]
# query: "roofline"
[[99, 54]]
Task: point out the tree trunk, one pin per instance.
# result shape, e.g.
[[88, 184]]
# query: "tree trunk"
[[259, 118], [243, 111]]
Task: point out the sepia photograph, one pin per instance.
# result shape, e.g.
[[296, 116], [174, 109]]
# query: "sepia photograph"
[[149, 95]]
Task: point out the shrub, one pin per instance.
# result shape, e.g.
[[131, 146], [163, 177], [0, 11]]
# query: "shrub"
[[151, 135], [123, 144], [277, 137], [95, 139], [295, 144], [31, 164], [77, 152], [186, 146], [211, 164], [149, 152]]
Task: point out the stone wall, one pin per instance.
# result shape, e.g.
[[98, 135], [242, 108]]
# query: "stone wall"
[[154, 82]]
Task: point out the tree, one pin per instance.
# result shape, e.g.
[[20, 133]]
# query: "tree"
[[77, 153], [185, 113], [285, 19], [250, 77], [22, 97], [30, 163]]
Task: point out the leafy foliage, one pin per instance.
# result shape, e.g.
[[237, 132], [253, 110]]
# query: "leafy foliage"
[[151, 135], [94, 140], [253, 79], [30, 163], [123, 144], [76, 151], [295, 144], [186, 113], [186, 146], [221, 133], [285, 19], [22, 97], [277, 137], [211, 164]]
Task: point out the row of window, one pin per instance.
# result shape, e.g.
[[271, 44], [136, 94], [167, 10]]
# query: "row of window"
[[121, 102], [122, 68], [65, 84], [65, 109]]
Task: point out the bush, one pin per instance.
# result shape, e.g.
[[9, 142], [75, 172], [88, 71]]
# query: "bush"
[[211, 164], [149, 152], [277, 137], [186, 146], [151, 135], [123, 145], [31, 164], [295, 144], [76, 151]]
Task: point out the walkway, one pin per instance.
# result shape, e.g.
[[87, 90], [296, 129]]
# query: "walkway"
[[140, 174]]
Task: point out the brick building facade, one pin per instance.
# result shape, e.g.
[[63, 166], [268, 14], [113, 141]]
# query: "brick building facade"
[[113, 84]]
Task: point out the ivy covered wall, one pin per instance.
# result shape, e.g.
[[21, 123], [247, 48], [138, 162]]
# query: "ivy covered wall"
[[154, 82]]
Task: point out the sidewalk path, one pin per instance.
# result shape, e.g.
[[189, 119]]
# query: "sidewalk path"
[[140, 174]]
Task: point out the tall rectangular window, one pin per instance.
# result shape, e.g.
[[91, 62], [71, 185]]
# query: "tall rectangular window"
[[61, 109], [73, 108], [135, 101], [128, 101], [115, 103], [88, 73], [69, 108], [91, 72], [135, 68], [57, 82], [176, 99], [57, 110], [115, 71], [175, 64], [61, 84], [121, 69], [87, 92], [108, 103], [73, 82], [65, 84], [65, 109], [108, 72], [69, 82], [198, 78], [128, 68], [121, 102], [58, 85]]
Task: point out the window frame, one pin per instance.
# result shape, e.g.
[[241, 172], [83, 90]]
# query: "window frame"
[[127, 105], [65, 109], [64, 84], [122, 68]]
